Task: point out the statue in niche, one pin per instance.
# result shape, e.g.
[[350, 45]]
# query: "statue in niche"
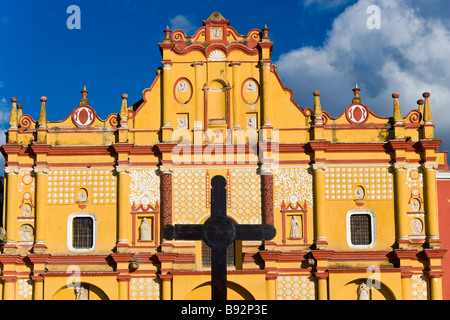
[[82, 196], [415, 205], [82, 293], [416, 226], [363, 292], [295, 228], [252, 123], [145, 231], [26, 210], [359, 193], [26, 232], [2, 234]]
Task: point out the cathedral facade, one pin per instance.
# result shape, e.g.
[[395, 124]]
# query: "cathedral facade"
[[359, 202]]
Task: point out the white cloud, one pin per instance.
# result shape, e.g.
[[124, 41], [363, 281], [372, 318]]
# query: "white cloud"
[[408, 55], [182, 23]]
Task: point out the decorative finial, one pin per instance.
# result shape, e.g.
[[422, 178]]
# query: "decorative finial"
[[427, 116], [43, 114], [167, 32], [317, 105], [356, 91], [13, 117], [265, 31], [397, 111], [84, 101], [19, 111]]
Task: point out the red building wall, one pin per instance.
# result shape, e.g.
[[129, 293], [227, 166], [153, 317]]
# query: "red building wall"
[[443, 190]]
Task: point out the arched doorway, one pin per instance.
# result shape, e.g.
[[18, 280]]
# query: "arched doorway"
[[234, 292], [70, 292]]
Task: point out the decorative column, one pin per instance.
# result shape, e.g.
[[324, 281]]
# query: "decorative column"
[[166, 260], [11, 209], [39, 262], [235, 65], [434, 271], [266, 93], [9, 276], [319, 205], [199, 101], [266, 46], [40, 212], [406, 256], [166, 198], [270, 259], [123, 207], [430, 199], [167, 102], [321, 272], [267, 195], [401, 204], [122, 261]]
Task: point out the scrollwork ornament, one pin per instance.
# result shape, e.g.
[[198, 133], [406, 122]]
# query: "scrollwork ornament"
[[12, 170], [123, 169], [428, 166], [41, 170]]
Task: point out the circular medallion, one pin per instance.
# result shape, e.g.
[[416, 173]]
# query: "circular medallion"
[[27, 179], [357, 114], [182, 91], [414, 174], [83, 116], [415, 192], [27, 196], [219, 232], [250, 91]]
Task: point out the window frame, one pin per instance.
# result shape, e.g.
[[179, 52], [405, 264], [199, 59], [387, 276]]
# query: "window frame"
[[70, 231], [373, 228]]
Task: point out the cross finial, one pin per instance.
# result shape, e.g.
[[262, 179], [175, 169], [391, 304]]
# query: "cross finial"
[[356, 91], [84, 101]]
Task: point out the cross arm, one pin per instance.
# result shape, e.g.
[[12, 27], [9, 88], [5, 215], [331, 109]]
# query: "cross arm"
[[186, 232], [255, 232]]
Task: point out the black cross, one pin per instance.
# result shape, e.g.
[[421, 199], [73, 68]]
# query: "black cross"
[[219, 232]]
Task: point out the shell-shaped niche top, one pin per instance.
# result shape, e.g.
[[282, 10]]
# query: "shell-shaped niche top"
[[217, 55]]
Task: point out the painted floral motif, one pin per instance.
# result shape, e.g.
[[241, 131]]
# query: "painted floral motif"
[[341, 183], [189, 196], [63, 184], [419, 286], [245, 196], [290, 182], [144, 289], [25, 289], [25, 179], [295, 288], [144, 187], [414, 178]]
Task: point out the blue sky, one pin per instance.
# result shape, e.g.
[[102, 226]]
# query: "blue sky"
[[319, 45]]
